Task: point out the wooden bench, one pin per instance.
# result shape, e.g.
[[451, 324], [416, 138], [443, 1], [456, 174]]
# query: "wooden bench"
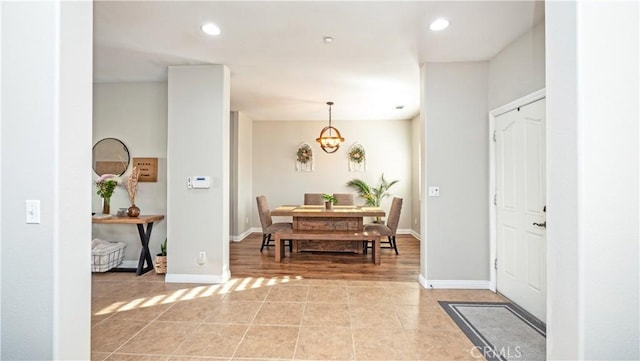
[[297, 235]]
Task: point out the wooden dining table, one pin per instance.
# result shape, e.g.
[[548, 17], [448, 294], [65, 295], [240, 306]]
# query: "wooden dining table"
[[318, 218], [343, 218]]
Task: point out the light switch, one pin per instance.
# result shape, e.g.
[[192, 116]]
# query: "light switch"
[[33, 211], [434, 191]]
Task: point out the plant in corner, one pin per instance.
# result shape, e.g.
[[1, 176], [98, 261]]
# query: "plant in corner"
[[329, 200], [372, 195], [161, 259]]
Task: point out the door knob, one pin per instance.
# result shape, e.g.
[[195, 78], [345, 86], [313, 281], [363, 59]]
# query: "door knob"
[[543, 224]]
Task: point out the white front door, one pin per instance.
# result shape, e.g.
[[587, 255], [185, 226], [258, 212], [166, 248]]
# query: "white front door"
[[521, 207]]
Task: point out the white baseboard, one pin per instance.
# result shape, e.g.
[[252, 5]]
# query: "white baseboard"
[[245, 234], [189, 278], [409, 231], [454, 284]]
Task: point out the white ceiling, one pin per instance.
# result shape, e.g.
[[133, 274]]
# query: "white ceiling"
[[280, 67]]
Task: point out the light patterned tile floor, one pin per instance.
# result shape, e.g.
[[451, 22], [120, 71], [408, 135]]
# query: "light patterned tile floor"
[[142, 318]]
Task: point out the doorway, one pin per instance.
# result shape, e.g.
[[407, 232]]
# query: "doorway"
[[519, 206]]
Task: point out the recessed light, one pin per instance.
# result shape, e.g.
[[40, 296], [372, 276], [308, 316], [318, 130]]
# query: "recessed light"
[[327, 40], [439, 24], [210, 29]]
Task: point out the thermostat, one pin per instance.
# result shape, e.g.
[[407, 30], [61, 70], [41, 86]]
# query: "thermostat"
[[201, 181]]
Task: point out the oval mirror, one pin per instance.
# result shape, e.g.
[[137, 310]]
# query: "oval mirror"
[[110, 156]]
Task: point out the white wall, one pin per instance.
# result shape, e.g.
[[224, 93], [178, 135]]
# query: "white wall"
[[387, 145], [593, 180], [518, 69], [198, 145], [454, 114], [45, 147], [135, 113]]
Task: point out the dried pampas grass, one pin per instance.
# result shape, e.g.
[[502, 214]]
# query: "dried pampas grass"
[[132, 185]]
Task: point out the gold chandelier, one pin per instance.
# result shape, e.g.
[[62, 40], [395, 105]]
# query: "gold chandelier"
[[330, 137]]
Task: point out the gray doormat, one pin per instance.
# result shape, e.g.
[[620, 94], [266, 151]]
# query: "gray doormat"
[[500, 331]]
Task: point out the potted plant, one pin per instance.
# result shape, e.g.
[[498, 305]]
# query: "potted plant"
[[106, 184], [329, 200], [161, 259], [372, 195]]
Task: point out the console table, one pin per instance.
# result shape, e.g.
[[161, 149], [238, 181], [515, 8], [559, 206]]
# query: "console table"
[[145, 235]]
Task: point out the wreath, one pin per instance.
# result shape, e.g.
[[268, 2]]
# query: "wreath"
[[304, 154], [357, 154]]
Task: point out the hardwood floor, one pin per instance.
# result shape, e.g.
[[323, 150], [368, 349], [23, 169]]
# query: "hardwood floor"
[[246, 261]]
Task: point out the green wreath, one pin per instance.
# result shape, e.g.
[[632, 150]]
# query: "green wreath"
[[304, 154], [357, 154]]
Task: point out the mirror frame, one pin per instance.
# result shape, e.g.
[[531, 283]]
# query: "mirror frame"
[[112, 166]]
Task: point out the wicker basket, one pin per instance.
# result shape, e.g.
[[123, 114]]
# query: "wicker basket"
[[161, 264], [106, 255]]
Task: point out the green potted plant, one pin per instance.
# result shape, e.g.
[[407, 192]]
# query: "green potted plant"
[[161, 259], [372, 195], [329, 200]]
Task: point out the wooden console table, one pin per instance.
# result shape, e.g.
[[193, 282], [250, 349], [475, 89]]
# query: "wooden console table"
[[145, 235]]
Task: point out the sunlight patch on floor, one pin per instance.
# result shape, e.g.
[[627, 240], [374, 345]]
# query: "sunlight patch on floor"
[[196, 292]]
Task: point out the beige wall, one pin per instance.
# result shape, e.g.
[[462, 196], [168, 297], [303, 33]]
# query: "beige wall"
[[518, 70], [388, 148], [456, 129], [198, 145]]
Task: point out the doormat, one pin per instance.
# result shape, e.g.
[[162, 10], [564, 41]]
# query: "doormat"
[[500, 331]]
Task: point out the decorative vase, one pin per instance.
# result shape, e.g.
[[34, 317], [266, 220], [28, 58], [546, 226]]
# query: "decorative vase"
[[133, 211], [106, 205], [328, 205]]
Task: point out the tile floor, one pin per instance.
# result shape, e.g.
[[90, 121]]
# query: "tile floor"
[[143, 318]]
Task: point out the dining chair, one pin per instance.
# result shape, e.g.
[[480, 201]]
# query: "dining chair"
[[344, 199], [313, 199], [388, 229], [268, 227]]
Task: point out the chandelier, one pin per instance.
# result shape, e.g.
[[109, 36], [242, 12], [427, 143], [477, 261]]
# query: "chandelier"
[[330, 137]]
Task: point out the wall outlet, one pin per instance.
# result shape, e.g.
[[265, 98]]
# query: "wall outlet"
[[246, 221], [202, 257], [415, 221], [434, 191]]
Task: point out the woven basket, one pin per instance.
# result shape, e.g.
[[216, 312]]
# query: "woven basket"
[[161, 264]]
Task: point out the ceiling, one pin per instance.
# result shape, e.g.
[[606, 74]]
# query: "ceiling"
[[280, 67]]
